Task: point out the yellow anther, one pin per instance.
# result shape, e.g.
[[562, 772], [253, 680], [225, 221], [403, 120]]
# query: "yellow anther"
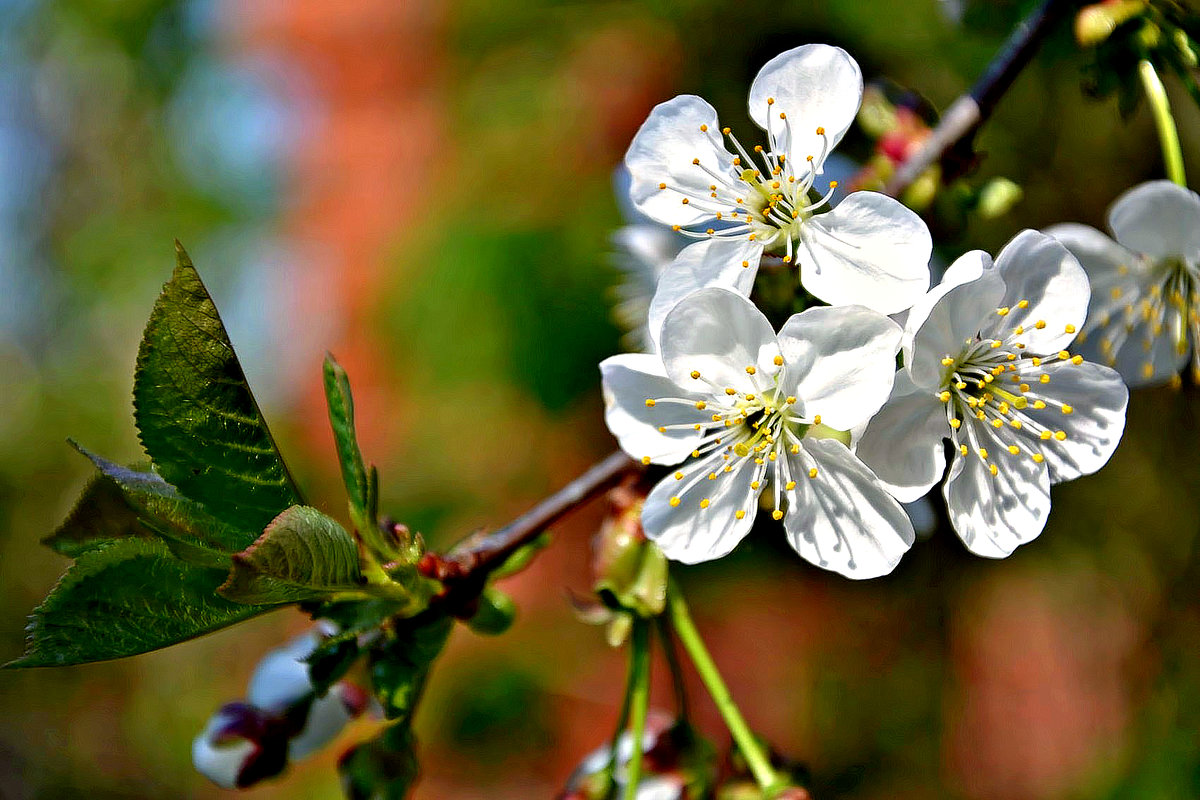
[[1023, 304], [996, 343], [812, 473], [997, 423], [695, 374], [956, 423], [1044, 378], [778, 361], [750, 370], [1069, 329], [728, 467], [661, 429], [754, 484], [820, 131], [817, 419], [1038, 458], [685, 201], [808, 158], [759, 461], [729, 390], [662, 186], [674, 501], [1060, 435], [782, 115], [1002, 311], [777, 514], [960, 385], [1147, 369], [676, 228], [646, 460], [745, 264], [1020, 403], [947, 361], [1045, 435], [710, 231], [1066, 409], [678, 476], [704, 129], [993, 469], [701, 405], [1041, 323], [725, 131], [758, 148], [989, 378], [1012, 356], [1012, 448], [1019, 330], [649, 402], [715, 417], [795, 449], [1063, 355], [1077, 360], [791, 398], [712, 476], [787, 487], [1016, 423], [739, 514], [962, 448], [1024, 387], [833, 184], [1038, 405], [944, 397], [704, 503], [983, 452], [1116, 293]]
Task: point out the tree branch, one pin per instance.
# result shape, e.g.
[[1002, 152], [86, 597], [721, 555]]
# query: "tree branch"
[[472, 559], [965, 115]]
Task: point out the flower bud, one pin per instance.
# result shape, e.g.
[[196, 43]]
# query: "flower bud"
[[239, 747], [494, 614], [631, 572], [998, 196], [1095, 23], [326, 718], [281, 678], [663, 775]]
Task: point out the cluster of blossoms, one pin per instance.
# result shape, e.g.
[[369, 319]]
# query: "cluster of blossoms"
[[814, 423]]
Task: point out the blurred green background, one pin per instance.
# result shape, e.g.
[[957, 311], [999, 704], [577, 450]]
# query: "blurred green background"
[[425, 189]]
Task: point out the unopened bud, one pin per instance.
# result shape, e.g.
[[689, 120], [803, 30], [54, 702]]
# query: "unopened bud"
[[494, 614], [876, 115], [281, 679], [631, 572], [239, 747], [327, 716], [1095, 23], [998, 196]]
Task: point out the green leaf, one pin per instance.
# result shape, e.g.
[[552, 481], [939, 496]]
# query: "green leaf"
[[196, 416], [495, 613], [383, 768], [302, 555], [399, 667], [124, 598], [101, 515], [194, 534], [331, 660], [341, 419]]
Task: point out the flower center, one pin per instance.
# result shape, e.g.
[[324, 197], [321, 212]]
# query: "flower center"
[[765, 196], [997, 382], [740, 429], [1170, 306]]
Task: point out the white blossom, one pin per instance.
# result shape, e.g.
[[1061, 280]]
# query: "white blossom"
[[869, 250], [987, 366], [1145, 309], [744, 412]]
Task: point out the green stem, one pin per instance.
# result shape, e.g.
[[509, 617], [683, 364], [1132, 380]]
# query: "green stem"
[[622, 723], [1160, 107], [639, 702], [756, 757], [677, 680]]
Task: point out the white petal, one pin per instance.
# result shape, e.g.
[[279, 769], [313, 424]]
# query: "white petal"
[[281, 678], [1158, 218], [816, 85], [840, 362], [728, 263], [842, 519], [1097, 397], [221, 763], [663, 150], [327, 717], [1038, 269], [903, 442], [719, 334], [1108, 265], [689, 533], [870, 250], [955, 316], [993, 514], [629, 380]]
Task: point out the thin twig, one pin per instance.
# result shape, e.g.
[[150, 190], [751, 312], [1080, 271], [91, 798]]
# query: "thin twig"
[[966, 114], [475, 557]]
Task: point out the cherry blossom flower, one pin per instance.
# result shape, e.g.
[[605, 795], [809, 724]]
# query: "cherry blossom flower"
[[987, 366], [744, 412], [1145, 310], [869, 250]]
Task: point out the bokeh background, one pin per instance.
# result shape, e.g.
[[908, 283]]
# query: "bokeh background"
[[425, 188]]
